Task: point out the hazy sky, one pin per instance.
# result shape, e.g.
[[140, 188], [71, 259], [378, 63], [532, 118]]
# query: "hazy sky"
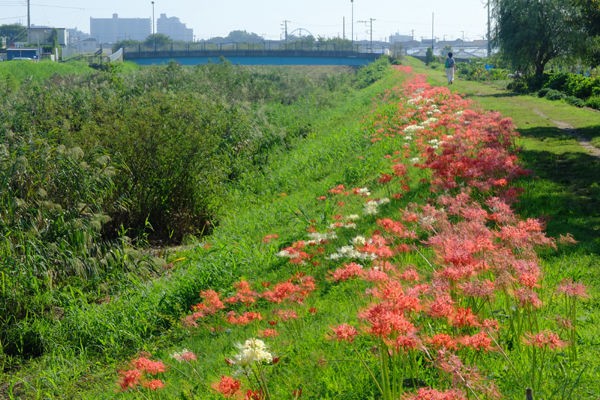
[[209, 18]]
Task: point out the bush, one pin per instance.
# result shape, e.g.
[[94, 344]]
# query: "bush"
[[573, 84], [480, 71], [593, 102], [575, 101], [552, 94]]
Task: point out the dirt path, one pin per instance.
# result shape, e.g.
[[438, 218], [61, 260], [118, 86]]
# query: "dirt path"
[[568, 128]]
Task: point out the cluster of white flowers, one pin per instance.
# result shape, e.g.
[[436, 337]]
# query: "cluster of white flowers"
[[363, 191], [347, 225], [410, 129], [286, 254], [372, 206], [435, 143], [359, 241], [350, 252], [320, 237], [415, 160], [429, 121], [434, 110], [252, 351]]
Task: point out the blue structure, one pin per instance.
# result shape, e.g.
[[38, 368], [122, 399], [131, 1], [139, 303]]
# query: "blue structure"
[[21, 54], [251, 57]]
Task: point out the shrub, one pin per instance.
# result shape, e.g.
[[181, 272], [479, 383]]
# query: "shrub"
[[593, 102], [575, 101], [552, 94]]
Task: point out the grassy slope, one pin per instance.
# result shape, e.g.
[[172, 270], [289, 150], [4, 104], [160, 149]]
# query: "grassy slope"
[[283, 201]]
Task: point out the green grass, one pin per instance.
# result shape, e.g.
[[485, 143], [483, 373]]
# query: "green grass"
[[18, 71], [283, 200]]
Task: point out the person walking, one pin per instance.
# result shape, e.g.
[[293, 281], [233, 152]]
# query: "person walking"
[[449, 64]]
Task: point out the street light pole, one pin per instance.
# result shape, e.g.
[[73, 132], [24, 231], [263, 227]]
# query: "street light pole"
[[152, 17], [352, 38], [153, 31]]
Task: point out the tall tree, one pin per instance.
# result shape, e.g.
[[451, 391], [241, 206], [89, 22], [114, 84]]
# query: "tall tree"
[[531, 33], [590, 16]]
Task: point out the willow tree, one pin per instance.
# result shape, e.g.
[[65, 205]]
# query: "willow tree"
[[531, 33], [590, 44]]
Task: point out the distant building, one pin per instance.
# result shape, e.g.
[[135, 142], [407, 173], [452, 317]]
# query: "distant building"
[[398, 38], [174, 29], [115, 29], [44, 35]]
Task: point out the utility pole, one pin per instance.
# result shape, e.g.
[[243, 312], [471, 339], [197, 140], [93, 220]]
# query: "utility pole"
[[432, 36], [28, 20], [285, 29], [489, 39], [370, 22], [352, 38]]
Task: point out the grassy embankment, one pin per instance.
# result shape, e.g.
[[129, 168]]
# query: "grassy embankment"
[[283, 201]]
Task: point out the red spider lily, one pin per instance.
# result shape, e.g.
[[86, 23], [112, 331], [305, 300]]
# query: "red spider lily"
[[464, 317], [545, 339], [227, 386], [443, 341], [289, 291], [144, 364], [243, 319], [130, 379], [344, 332], [479, 341], [254, 395], [244, 294], [154, 384], [350, 270], [573, 289], [270, 237], [286, 315], [433, 394], [267, 333]]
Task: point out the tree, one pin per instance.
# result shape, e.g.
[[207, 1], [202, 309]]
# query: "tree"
[[429, 57], [13, 33], [157, 41], [531, 33], [590, 17]]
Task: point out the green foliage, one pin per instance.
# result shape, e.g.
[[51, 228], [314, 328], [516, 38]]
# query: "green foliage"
[[593, 102], [429, 57], [95, 163], [476, 70], [531, 34], [573, 84], [373, 72], [157, 40]]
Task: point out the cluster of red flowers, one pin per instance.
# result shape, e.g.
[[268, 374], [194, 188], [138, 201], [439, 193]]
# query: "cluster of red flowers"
[[137, 375], [480, 248], [294, 290]]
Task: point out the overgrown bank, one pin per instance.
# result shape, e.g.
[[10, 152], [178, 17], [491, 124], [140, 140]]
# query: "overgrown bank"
[[97, 165]]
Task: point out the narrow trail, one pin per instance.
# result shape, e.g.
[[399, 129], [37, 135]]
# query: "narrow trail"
[[568, 128]]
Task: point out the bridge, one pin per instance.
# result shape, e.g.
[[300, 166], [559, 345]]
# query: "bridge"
[[247, 55]]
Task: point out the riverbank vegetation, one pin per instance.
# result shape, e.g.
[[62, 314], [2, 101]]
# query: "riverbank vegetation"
[[384, 242]]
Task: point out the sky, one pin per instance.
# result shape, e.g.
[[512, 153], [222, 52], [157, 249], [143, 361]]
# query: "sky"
[[450, 19]]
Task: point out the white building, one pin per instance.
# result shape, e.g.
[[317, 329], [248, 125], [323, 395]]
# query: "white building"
[[115, 29], [174, 29]]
